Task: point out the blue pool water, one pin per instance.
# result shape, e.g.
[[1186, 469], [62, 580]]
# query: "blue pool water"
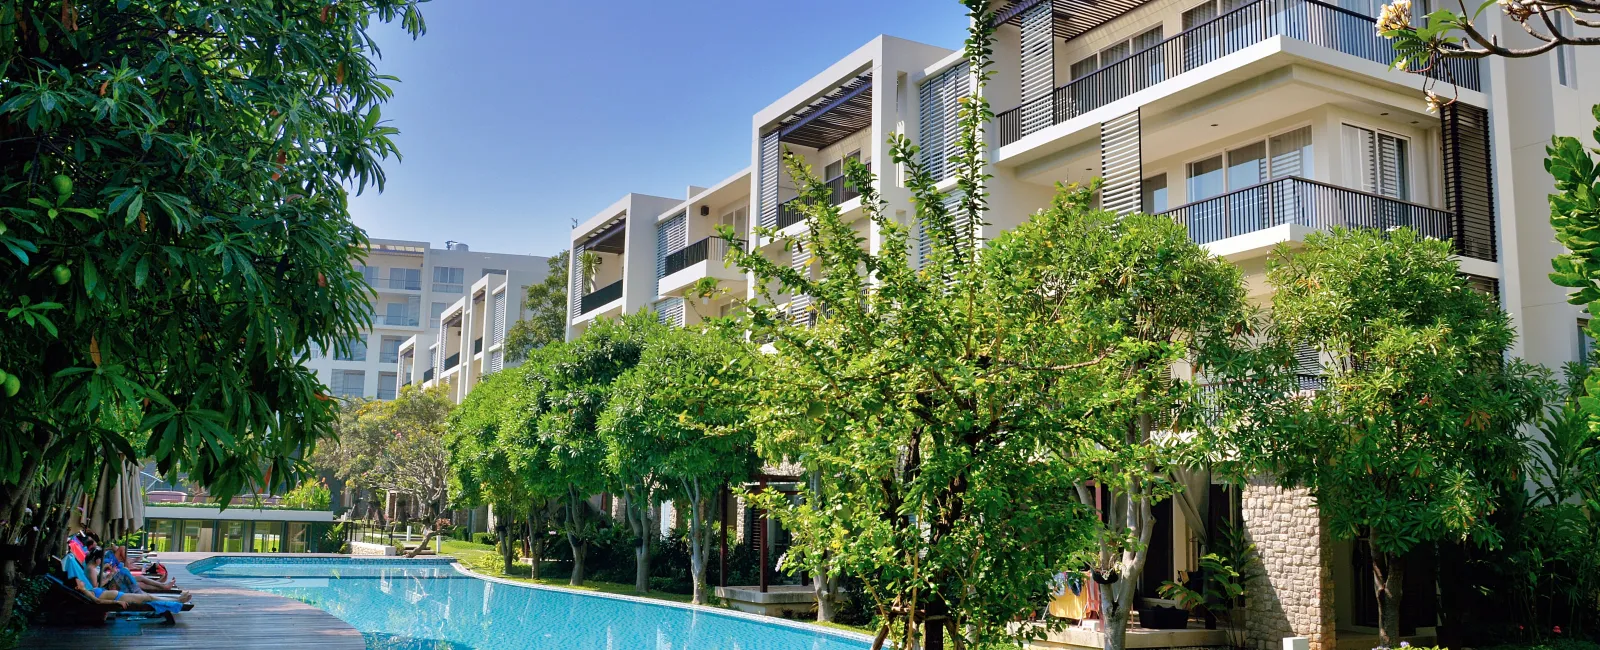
[[411, 605]]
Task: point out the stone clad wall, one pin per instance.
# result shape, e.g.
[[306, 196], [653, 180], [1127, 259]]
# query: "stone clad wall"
[[1293, 595]]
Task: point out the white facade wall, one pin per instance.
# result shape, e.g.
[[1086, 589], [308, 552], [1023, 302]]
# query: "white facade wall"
[[406, 293]]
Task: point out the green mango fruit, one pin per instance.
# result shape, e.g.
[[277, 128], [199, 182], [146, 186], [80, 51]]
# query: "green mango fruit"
[[63, 184], [62, 274]]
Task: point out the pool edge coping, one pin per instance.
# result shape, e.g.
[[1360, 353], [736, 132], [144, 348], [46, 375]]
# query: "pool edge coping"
[[707, 609]]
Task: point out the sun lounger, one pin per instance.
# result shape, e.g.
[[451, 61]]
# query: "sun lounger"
[[74, 605]]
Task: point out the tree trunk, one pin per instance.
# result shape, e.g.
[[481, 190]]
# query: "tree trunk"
[[826, 590], [641, 566], [535, 540], [506, 552], [1116, 633], [428, 537], [579, 549], [699, 542], [1388, 576], [933, 624], [8, 591]]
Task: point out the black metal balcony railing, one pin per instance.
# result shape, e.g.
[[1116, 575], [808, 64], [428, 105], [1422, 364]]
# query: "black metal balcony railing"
[[1306, 20], [477, 345], [687, 256], [427, 375], [1312, 204], [711, 248], [405, 283], [789, 211], [600, 297], [452, 361]]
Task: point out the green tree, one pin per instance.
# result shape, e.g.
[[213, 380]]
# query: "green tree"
[[559, 450], [1132, 302], [680, 417], [479, 440], [174, 236], [1413, 436], [546, 304], [395, 447], [927, 420]]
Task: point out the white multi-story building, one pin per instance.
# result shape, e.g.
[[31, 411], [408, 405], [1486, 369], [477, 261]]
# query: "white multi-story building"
[[1254, 123], [414, 284]]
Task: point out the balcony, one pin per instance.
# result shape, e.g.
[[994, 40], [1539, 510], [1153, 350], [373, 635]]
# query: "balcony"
[[452, 361], [396, 321], [1312, 205], [789, 212], [1305, 20], [702, 259], [427, 375], [477, 345], [396, 283], [600, 297]]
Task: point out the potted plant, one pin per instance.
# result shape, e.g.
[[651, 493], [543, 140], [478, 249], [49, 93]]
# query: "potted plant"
[[1231, 565]]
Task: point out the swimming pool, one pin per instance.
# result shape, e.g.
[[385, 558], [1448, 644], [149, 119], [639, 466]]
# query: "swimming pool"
[[417, 605]]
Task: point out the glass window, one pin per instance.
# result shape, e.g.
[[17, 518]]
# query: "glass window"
[[449, 279], [232, 536], [162, 532], [356, 350], [1585, 344], [387, 385], [198, 535], [1291, 154], [1154, 191], [1113, 54], [266, 537], [349, 383], [1205, 179], [403, 278], [368, 273], [1377, 162], [438, 311], [389, 350], [1082, 68], [299, 538], [1247, 166]]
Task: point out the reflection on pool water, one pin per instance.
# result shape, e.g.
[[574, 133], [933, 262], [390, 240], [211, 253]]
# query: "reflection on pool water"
[[412, 605]]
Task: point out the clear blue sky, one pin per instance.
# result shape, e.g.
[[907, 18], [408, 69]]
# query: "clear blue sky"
[[518, 116]]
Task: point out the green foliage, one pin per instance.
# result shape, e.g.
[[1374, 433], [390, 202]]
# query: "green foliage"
[[313, 494], [677, 425], [1413, 437], [175, 232], [1125, 303], [485, 538], [395, 446], [923, 403], [1225, 571], [546, 306], [1575, 216]]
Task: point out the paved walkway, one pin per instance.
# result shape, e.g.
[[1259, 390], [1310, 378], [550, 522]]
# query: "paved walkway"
[[224, 616]]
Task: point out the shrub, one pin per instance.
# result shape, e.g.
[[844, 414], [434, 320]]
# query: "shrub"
[[309, 495], [490, 539]]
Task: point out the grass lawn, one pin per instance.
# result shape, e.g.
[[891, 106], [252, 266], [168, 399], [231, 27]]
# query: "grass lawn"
[[473, 557]]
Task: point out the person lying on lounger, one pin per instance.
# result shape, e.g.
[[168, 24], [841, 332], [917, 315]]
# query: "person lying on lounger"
[[89, 585], [98, 595]]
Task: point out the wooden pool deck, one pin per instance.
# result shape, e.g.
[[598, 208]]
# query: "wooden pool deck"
[[224, 616]]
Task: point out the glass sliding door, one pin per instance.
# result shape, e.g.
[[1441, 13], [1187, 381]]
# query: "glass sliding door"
[[298, 539], [198, 535], [231, 537], [266, 537], [162, 532]]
